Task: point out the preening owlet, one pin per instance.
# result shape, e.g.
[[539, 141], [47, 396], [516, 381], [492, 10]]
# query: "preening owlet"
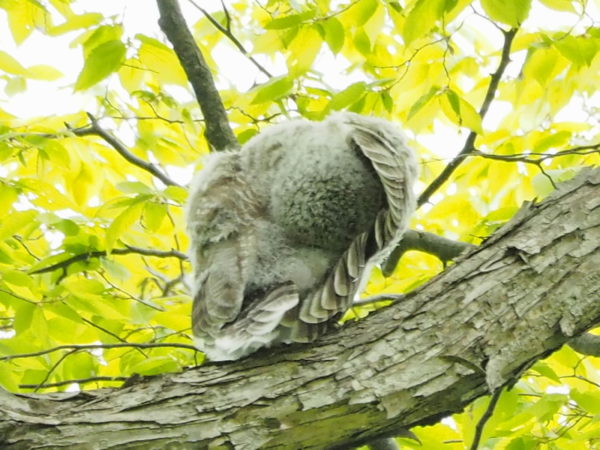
[[284, 231]]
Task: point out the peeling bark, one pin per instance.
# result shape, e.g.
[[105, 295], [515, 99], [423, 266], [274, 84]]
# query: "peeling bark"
[[475, 327]]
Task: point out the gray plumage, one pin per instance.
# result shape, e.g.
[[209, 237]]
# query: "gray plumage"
[[285, 231]]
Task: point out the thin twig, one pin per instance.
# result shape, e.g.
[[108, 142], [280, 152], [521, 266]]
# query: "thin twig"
[[96, 346], [96, 130], [226, 31], [67, 382], [468, 146], [485, 417], [378, 298], [117, 251]]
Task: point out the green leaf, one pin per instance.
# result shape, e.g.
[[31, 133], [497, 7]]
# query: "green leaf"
[[43, 72], [544, 369], [541, 65], [155, 365], [15, 223], [154, 214], [560, 5], [101, 35], [422, 18], [348, 96], [101, 62], [588, 400], [461, 112], [289, 21], [510, 12], [134, 187], [161, 61], [579, 50], [9, 64], [273, 90], [76, 22], [122, 222], [334, 34], [176, 193], [17, 278], [363, 11], [362, 42], [422, 101], [15, 85]]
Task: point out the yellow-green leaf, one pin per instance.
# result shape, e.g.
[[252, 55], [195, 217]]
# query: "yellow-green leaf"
[[422, 18], [510, 12], [101, 62], [43, 72], [9, 64], [334, 34], [154, 214], [273, 90], [348, 96], [122, 222]]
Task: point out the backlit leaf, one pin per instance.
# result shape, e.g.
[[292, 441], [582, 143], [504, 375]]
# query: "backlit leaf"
[[100, 63]]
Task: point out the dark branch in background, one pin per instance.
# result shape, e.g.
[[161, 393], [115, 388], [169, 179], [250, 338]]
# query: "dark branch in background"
[[68, 382], [227, 33], [537, 158], [117, 251], [586, 344], [96, 130], [97, 346], [485, 417], [468, 146], [217, 132]]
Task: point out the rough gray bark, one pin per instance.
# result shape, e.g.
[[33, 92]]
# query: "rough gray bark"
[[218, 132], [473, 328]]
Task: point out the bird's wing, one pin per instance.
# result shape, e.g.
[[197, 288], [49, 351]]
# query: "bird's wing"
[[222, 216], [395, 166]]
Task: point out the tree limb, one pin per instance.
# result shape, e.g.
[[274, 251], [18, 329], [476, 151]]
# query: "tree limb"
[[218, 132], [96, 130], [116, 251], [445, 249], [468, 146], [521, 295]]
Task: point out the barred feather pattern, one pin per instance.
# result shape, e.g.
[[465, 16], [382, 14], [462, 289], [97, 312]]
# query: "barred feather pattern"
[[284, 233]]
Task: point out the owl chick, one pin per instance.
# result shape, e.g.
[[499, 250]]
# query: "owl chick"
[[284, 232]]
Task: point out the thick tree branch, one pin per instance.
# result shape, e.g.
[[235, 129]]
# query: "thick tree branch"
[[218, 132], [468, 146], [96, 130], [475, 327]]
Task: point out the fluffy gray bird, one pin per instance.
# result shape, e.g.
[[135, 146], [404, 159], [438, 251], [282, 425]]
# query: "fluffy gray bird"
[[284, 232]]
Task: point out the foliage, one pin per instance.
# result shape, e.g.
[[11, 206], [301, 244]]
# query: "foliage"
[[91, 241]]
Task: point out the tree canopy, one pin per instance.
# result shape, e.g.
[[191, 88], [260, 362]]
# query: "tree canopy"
[[499, 99]]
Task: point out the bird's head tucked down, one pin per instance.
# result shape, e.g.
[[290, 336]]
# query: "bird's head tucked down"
[[285, 231]]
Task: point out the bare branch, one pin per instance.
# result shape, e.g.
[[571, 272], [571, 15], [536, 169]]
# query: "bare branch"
[[444, 249], [96, 130], [117, 251], [67, 382], [78, 347], [468, 146], [227, 33], [586, 344], [218, 132], [485, 417]]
